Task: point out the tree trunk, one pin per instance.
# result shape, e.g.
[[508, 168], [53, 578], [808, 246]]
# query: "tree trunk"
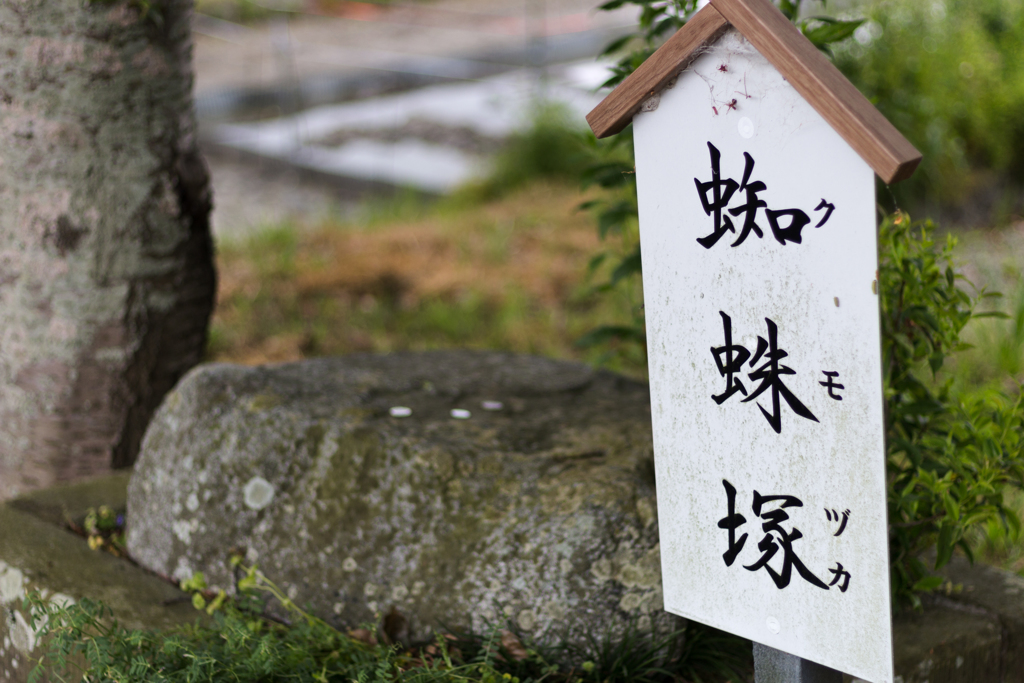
[[106, 261]]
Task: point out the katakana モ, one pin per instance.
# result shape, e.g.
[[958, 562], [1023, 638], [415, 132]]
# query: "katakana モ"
[[772, 512], [730, 359], [717, 193], [831, 385]]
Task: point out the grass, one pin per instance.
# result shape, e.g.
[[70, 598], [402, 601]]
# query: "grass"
[[509, 273], [240, 644]]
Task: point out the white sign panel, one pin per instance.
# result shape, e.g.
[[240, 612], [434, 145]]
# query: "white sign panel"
[[758, 239]]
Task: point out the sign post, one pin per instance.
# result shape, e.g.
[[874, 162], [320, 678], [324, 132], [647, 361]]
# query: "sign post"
[[774, 666], [756, 164]]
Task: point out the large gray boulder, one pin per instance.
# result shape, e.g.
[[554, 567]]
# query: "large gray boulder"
[[542, 511]]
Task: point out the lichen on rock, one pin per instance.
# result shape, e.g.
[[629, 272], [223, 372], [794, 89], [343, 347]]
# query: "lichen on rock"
[[542, 512]]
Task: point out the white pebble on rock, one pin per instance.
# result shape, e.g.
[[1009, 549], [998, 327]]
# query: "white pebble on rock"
[[493, 405], [460, 414], [400, 411]]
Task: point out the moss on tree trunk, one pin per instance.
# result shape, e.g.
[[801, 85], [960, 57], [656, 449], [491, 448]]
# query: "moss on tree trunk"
[[106, 272]]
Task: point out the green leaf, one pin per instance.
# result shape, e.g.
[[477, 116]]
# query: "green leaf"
[[648, 15], [789, 9], [608, 175], [928, 584], [615, 218], [197, 582], [667, 25], [1012, 521], [829, 30], [952, 508], [967, 550], [630, 265], [616, 45], [944, 545]]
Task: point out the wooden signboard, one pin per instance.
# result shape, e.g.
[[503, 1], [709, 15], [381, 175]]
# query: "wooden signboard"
[[756, 165]]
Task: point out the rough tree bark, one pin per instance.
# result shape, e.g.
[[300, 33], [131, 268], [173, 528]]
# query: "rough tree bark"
[[106, 260]]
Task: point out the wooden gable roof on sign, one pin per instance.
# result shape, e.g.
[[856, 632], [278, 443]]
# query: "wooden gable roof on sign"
[[838, 101]]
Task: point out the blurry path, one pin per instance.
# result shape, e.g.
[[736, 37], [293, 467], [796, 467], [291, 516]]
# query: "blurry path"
[[431, 139], [249, 197], [372, 48], [276, 171]]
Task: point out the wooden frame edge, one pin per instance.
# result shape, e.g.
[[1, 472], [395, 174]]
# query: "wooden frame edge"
[[824, 87], [617, 109], [905, 169]]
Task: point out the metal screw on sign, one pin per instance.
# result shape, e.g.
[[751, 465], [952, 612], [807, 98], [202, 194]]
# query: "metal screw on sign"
[[775, 666]]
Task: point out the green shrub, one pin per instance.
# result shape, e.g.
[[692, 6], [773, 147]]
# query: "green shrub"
[[949, 74], [951, 457], [618, 228]]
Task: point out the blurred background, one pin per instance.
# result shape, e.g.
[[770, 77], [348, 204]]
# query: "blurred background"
[[401, 175], [418, 174]]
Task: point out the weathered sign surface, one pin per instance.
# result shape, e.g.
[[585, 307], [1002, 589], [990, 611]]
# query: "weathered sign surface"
[[759, 250]]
